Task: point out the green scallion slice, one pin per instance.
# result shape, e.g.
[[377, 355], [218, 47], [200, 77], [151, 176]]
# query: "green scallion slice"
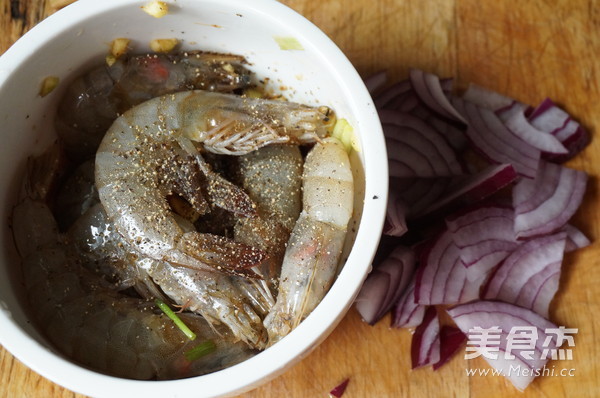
[[200, 350], [173, 316]]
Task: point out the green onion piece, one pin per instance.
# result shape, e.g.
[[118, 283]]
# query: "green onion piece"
[[173, 316], [288, 43], [344, 132], [200, 350]]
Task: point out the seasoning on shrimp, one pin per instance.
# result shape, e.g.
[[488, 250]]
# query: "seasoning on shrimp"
[[315, 246], [96, 326], [94, 100]]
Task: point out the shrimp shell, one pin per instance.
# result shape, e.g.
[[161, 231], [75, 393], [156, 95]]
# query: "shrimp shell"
[[315, 246]]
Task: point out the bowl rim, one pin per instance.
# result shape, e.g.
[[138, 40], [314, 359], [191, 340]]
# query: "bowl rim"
[[317, 326]]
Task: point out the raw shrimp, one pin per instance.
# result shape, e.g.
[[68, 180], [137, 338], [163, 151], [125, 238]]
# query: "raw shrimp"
[[209, 294], [92, 324], [93, 101], [316, 242], [272, 176], [76, 195], [145, 156]]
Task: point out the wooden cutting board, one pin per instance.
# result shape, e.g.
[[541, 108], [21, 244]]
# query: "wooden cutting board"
[[528, 50]]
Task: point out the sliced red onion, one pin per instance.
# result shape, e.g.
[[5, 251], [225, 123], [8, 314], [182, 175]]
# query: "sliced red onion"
[[395, 217], [451, 340], [455, 136], [430, 91], [474, 188], [339, 390], [508, 112], [575, 238], [546, 203], [391, 93], [485, 236], [425, 346], [407, 102], [407, 313], [550, 118], [529, 277], [372, 295], [505, 317], [521, 127], [486, 98], [420, 136], [419, 193], [376, 82], [446, 84], [441, 277], [385, 284], [493, 140], [406, 160]]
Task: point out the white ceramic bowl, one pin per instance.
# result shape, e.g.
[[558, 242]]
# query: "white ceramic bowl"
[[79, 35]]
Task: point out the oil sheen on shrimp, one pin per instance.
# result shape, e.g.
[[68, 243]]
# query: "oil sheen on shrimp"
[[135, 168], [315, 246], [94, 100], [89, 322]]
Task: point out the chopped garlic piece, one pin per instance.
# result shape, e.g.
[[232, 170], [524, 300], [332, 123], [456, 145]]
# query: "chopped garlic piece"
[[157, 9], [110, 60], [253, 92], [163, 45], [48, 85], [344, 132], [119, 47]]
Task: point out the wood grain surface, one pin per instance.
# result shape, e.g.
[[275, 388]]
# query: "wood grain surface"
[[528, 50]]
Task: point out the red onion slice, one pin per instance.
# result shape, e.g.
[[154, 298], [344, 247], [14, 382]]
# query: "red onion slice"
[[485, 236], [437, 147], [421, 193], [407, 313], [493, 140], [521, 127], [551, 119], [575, 238], [529, 277], [545, 204], [395, 217], [474, 188], [376, 82], [405, 160], [425, 346], [441, 277], [339, 390], [451, 340], [413, 149], [486, 98], [430, 91], [455, 136], [391, 93], [372, 295], [385, 284], [505, 317]]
